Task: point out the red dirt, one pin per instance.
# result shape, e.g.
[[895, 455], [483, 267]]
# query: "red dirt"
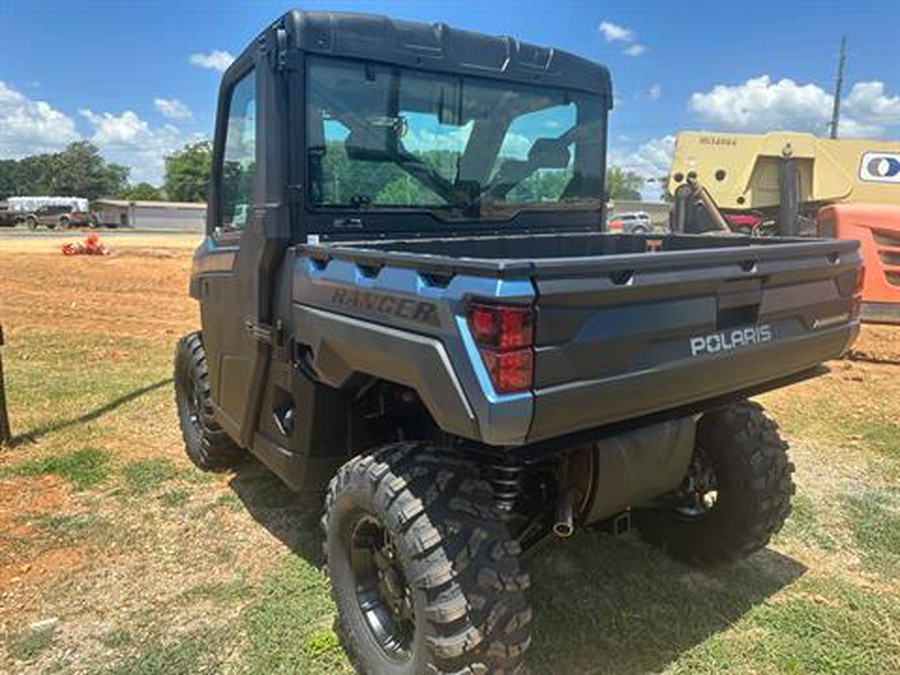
[[42, 496], [135, 292]]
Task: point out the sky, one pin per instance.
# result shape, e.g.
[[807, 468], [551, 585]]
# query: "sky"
[[139, 78]]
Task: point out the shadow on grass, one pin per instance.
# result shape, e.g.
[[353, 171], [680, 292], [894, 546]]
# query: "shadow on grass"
[[601, 604], [290, 517], [39, 431]]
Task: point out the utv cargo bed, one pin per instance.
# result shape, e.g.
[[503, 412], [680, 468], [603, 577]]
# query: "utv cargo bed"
[[625, 326]]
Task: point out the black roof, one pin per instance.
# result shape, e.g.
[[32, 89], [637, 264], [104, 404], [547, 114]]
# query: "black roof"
[[439, 47]]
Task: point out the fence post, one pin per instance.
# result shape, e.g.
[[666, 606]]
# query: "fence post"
[[5, 431]]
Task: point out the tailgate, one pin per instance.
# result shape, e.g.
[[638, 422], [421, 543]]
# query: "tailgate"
[[631, 335]]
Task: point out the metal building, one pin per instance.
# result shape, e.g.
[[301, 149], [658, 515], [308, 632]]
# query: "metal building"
[[172, 216]]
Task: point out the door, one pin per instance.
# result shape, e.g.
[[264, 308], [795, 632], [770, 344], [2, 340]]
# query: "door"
[[224, 294], [248, 228]]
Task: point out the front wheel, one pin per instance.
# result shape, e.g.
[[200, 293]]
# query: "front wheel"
[[423, 570], [737, 493], [206, 443]]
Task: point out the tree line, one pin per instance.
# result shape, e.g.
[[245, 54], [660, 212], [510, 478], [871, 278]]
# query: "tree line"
[[80, 170]]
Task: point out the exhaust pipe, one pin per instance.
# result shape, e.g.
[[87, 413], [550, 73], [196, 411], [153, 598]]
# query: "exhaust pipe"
[[564, 526]]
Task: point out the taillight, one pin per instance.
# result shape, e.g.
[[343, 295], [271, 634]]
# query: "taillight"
[[505, 338]]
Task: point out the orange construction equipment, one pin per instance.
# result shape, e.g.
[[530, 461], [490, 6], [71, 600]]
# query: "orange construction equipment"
[[877, 228]]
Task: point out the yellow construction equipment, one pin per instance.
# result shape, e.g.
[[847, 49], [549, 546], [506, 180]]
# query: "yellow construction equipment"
[[742, 171], [794, 184]]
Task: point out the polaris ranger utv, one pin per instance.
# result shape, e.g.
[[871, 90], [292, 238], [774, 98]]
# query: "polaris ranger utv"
[[409, 304]]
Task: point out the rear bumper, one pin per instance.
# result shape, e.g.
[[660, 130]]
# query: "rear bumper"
[[594, 403]]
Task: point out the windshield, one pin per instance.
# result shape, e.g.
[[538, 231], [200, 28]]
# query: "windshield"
[[388, 137]]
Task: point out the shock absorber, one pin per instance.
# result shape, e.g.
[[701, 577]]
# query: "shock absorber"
[[506, 480]]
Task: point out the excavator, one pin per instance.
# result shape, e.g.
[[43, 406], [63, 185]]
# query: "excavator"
[[796, 184]]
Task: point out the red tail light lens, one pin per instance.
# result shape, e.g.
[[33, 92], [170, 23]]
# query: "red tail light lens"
[[505, 337], [510, 371], [501, 326]]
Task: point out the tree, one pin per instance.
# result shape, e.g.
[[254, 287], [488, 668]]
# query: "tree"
[[622, 184], [142, 192], [187, 172], [78, 171], [81, 171]]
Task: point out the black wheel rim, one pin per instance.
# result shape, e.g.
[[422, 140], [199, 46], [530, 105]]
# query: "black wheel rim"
[[384, 597], [191, 398], [700, 490]]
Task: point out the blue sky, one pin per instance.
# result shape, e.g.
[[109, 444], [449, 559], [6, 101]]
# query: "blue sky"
[[139, 78]]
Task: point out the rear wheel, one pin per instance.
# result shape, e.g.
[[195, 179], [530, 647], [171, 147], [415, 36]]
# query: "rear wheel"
[[31, 222], [424, 572], [737, 493], [206, 443]]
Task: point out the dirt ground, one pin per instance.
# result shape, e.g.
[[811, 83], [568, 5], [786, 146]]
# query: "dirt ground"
[[139, 559]]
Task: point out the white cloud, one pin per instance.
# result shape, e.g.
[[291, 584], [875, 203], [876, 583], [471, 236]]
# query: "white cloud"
[[30, 127], [655, 92], [759, 104], [421, 140], [172, 108], [130, 140], [615, 33], [216, 60], [635, 50], [868, 101], [651, 161]]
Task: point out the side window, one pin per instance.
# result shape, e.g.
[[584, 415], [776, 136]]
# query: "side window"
[[239, 165]]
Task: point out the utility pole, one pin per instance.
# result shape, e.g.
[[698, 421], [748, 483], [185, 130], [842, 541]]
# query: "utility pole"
[[836, 112], [5, 431]]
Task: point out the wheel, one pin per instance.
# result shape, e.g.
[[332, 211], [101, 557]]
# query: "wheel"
[[423, 570], [737, 493], [31, 222], [206, 443], [64, 223], [639, 229]]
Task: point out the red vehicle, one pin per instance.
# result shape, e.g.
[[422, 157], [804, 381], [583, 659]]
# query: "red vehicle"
[[744, 223]]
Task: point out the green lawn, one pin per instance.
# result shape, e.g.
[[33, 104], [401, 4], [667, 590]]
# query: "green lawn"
[[174, 571]]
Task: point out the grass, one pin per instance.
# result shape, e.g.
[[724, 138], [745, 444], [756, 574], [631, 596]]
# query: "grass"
[[66, 529], [30, 644], [175, 498], [116, 639], [885, 438], [804, 524], [827, 626], [165, 598], [874, 517], [146, 475], [289, 626], [158, 656], [83, 468], [224, 592]]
